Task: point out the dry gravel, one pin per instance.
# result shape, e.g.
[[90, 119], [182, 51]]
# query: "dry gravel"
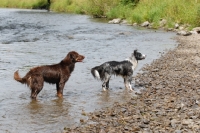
[[170, 102]]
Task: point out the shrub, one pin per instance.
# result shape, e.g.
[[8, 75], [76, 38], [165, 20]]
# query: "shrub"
[[127, 2]]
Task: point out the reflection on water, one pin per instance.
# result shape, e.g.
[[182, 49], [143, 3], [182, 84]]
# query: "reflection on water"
[[30, 38]]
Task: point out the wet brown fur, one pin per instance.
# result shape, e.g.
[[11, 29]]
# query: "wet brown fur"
[[54, 74]]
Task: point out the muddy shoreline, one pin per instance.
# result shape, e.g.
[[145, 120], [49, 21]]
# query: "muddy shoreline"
[[170, 102]]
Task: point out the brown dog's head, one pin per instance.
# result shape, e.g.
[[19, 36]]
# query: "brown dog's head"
[[75, 57]]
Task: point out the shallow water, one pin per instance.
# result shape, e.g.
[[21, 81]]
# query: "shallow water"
[[30, 38]]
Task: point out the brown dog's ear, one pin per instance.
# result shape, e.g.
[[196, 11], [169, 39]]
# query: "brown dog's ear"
[[73, 56]]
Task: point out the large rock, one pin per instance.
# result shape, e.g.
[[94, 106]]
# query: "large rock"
[[193, 32], [124, 22], [176, 26], [115, 21], [145, 24], [196, 29], [163, 22], [184, 33]]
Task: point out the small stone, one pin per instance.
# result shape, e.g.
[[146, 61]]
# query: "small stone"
[[81, 120], [176, 26], [187, 121], [173, 123], [102, 131], [163, 22], [178, 131], [143, 126], [170, 29], [124, 22], [145, 24], [181, 28], [145, 121], [134, 24]]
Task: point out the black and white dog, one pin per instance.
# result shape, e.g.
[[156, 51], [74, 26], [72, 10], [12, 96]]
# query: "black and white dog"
[[124, 68]]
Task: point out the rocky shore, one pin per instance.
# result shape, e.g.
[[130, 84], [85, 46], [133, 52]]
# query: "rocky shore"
[[180, 29], [170, 102]]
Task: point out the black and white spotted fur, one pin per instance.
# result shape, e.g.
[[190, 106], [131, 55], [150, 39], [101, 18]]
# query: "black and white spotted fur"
[[123, 68]]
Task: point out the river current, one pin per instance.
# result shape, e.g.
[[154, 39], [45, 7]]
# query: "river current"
[[30, 38]]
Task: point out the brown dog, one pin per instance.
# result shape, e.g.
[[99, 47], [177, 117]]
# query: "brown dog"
[[54, 74]]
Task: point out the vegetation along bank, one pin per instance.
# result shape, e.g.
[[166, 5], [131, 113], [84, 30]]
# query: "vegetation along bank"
[[176, 14]]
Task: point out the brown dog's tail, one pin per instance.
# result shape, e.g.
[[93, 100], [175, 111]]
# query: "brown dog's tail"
[[18, 78]]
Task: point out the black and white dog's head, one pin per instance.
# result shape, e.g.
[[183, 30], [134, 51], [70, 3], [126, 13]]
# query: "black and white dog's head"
[[135, 56], [138, 55]]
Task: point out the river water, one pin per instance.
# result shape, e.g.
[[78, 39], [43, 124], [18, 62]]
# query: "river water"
[[30, 38]]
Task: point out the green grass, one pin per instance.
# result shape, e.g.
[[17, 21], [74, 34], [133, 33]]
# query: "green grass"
[[22, 3], [174, 11], [100, 7], [120, 11]]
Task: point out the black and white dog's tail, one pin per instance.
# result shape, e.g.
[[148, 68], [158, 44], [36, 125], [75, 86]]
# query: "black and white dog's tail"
[[96, 72]]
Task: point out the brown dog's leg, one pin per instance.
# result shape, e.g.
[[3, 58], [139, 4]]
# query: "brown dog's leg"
[[60, 87], [36, 85], [35, 92]]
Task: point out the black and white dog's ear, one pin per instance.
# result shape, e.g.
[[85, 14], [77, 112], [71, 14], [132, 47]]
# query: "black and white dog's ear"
[[135, 51]]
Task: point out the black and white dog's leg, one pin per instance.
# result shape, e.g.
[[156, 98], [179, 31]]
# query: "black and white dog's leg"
[[127, 83], [105, 84]]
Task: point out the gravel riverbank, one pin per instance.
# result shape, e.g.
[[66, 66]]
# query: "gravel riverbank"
[[170, 102]]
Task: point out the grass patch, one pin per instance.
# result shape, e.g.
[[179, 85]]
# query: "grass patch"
[[70, 6], [23, 3], [174, 11], [100, 8], [177, 11]]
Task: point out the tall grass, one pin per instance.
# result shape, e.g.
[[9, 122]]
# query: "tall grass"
[[72, 6], [120, 11], [22, 3], [100, 7], [96, 8], [174, 11]]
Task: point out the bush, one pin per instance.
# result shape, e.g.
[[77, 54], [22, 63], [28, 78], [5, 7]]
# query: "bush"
[[126, 2], [99, 8], [41, 4]]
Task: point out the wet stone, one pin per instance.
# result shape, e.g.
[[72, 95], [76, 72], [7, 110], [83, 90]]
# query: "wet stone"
[[143, 126], [145, 121]]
